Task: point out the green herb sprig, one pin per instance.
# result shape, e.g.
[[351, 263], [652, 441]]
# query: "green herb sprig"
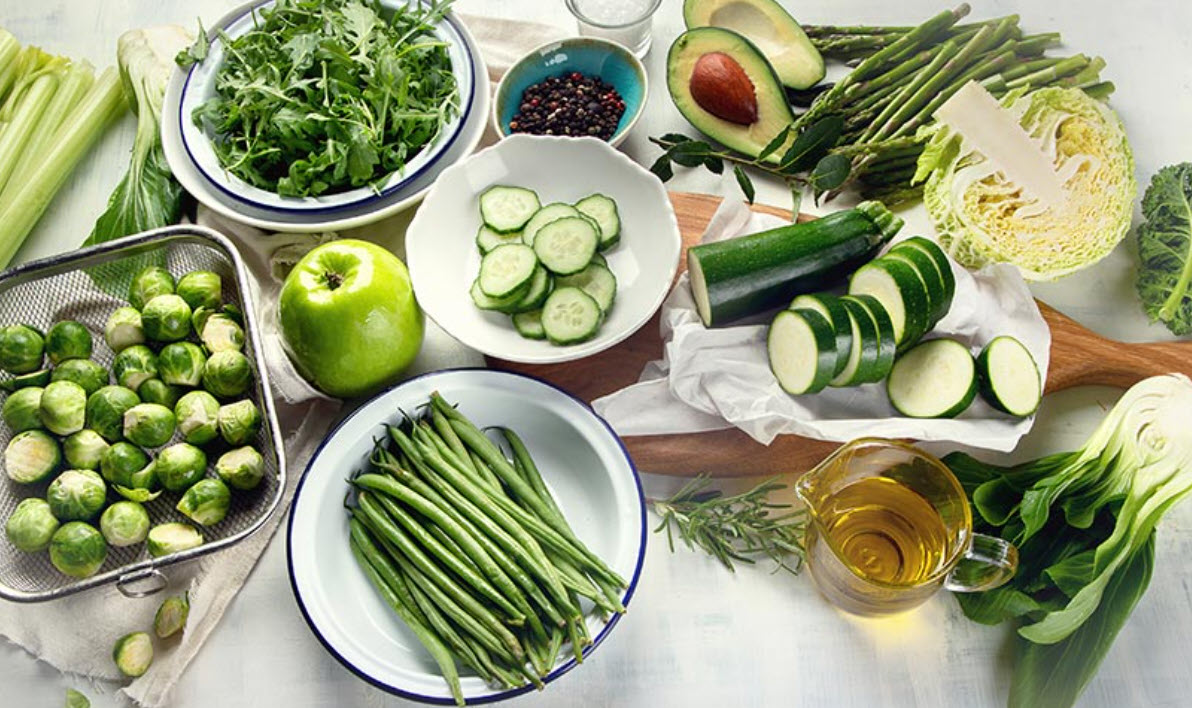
[[737, 528]]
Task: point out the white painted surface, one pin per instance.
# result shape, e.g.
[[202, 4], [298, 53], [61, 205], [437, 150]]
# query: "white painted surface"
[[698, 636]]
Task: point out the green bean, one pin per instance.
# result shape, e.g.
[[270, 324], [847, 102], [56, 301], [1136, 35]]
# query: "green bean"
[[556, 643], [522, 460], [360, 534], [445, 431], [438, 650], [575, 580], [485, 472]]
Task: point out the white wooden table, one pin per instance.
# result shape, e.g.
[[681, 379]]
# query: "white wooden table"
[[697, 635]]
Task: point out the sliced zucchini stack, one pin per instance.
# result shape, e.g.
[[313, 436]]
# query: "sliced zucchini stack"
[[914, 283], [802, 349], [1009, 377], [542, 264], [934, 379]]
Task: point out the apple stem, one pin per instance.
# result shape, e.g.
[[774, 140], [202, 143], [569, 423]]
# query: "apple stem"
[[334, 280]]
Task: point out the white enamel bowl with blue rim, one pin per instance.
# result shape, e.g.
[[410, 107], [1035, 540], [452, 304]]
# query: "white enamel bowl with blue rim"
[[443, 259], [192, 159], [581, 460]]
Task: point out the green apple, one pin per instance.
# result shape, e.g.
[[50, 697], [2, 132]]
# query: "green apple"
[[348, 317]]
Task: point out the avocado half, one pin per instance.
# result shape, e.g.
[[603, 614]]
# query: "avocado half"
[[724, 87], [781, 40]]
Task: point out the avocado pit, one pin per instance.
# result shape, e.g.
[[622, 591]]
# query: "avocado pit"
[[721, 87]]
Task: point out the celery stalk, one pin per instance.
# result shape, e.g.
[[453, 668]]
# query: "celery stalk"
[[27, 114], [9, 49], [72, 87], [23, 205]]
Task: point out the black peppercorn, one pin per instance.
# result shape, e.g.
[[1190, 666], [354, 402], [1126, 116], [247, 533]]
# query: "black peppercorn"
[[569, 104]]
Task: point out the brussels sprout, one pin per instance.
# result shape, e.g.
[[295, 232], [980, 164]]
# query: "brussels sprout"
[[242, 468], [148, 284], [68, 340], [123, 329], [222, 333], [31, 525], [180, 465], [200, 288], [198, 318], [160, 392], [149, 424], [105, 411], [133, 654], [84, 372], [239, 422], [38, 378], [197, 414], [74, 699], [171, 615], [138, 494], [181, 363], [21, 349], [22, 409], [227, 374], [165, 539], [31, 456], [124, 523], [134, 366], [206, 502], [77, 495], [121, 461], [63, 407], [84, 449], [166, 318], [77, 549]]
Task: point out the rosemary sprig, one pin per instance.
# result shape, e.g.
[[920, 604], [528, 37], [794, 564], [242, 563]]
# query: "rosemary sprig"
[[734, 528]]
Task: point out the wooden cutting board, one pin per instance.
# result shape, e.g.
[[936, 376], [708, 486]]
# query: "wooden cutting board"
[[1078, 357]]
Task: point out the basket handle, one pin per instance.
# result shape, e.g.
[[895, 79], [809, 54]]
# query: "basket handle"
[[142, 583]]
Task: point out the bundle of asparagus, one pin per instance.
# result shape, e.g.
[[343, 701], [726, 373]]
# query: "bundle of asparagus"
[[903, 74]]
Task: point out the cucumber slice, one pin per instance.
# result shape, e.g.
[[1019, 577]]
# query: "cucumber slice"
[[887, 347], [487, 239], [934, 379], [597, 281], [943, 264], [801, 346], [499, 304], [1008, 377], [540, 286], [929, 275], [570, 315], [545, 215], [599, 258], [866, 343], [566, 245], [507, 209], [898, 288], [507, 268], [603, 211], [529, 324], [837, 315]]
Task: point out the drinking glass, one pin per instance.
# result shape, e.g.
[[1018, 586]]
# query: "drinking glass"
[[626, 22]]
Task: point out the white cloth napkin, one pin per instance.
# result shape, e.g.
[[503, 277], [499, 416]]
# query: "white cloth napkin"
[[711, 379], [76, 634]]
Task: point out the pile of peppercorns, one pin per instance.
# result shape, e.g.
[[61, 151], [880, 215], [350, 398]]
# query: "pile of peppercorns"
[[571, 104]]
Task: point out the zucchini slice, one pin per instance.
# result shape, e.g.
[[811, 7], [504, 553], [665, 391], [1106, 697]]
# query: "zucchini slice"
[[934, 379], [887, 347], [1008, 377], [597, 281], [801, 346], [539, 289], [545, 215], [943, 264], [487, 239], [929, 275], [506, 208], [566, 245], [830, 307], [899, 289], [570, 315], [529, 324], [505, 269], [866, 343], [603, 211]]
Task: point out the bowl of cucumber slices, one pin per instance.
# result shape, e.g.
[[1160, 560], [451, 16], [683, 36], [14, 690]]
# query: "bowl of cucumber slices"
[[543, 249]]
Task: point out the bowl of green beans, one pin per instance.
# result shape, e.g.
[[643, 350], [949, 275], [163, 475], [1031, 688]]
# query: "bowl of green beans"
[[466, 536]]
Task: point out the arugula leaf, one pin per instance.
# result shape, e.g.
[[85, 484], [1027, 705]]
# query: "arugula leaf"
[[1165, 248]]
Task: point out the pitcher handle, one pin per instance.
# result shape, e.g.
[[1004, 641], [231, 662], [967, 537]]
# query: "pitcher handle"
[[988, 563]]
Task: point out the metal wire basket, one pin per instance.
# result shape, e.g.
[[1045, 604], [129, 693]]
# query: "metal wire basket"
[[64, 287]]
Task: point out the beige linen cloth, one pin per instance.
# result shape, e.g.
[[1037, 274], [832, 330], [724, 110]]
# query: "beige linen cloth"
[[76, 634]]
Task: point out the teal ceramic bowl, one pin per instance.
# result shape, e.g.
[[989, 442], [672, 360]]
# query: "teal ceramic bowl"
[[606, 60]]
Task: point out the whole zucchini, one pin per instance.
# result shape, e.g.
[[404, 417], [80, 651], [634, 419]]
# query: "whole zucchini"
[[744, 276]]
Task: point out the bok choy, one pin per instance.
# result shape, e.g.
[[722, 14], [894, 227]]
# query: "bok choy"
[[1084, 523]]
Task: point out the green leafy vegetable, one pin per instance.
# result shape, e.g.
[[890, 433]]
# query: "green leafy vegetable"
[[1084, 524], [1165, 248], [323, 96]]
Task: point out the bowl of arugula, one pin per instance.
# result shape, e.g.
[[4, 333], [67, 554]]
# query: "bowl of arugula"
[[325, 106]]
